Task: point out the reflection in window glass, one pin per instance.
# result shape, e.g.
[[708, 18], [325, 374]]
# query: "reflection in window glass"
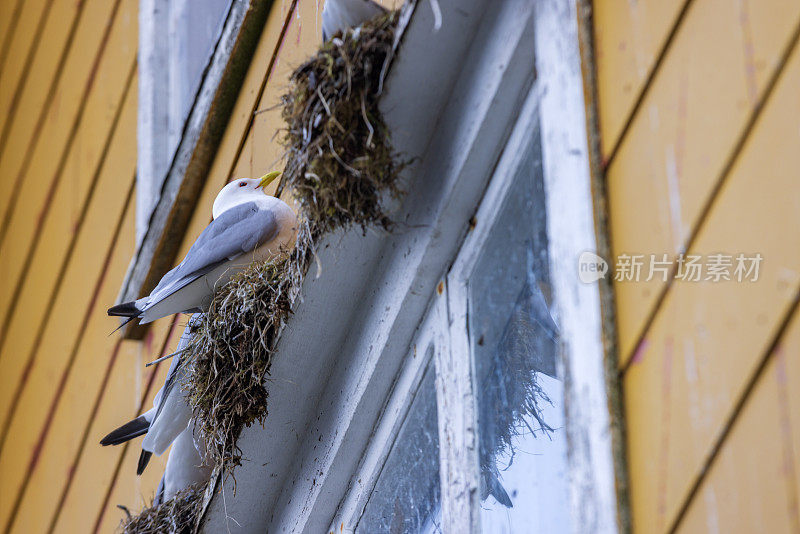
[[406, 497], [518, 388]]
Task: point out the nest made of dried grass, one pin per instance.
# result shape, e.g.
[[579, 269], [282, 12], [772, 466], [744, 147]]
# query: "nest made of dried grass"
[[176, 516]]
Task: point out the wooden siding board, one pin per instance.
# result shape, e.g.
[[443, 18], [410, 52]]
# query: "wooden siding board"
[[86, 383], [48, 81], [122, 396], [23, 41], [263, 150], [678, 145], [629, 36], [10, 12], [160, 340], [752, 484], [44, 64], [54, 410], [28, 336], [708, 337], [125, 492], [63, 149], [68, 308]]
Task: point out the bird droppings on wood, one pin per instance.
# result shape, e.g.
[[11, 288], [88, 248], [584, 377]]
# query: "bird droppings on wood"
[[340, 168]]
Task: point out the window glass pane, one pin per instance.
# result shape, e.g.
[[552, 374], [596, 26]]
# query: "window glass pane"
[[522, 442], [406, 496]]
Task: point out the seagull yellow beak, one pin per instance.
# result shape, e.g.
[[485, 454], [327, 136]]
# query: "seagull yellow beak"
[[268, 179]]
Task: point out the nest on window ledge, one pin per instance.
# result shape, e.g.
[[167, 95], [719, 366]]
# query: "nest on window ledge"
[[340, 166]]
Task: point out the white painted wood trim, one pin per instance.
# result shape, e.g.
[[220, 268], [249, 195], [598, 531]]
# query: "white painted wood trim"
[[571, 231], [460, 411], [153, 110]]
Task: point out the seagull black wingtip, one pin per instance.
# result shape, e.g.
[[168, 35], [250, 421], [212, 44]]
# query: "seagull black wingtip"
[[126, 309], [126, 432], [144, 459]]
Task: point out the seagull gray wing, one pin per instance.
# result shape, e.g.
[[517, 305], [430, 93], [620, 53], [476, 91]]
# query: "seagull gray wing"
[[236, 231]]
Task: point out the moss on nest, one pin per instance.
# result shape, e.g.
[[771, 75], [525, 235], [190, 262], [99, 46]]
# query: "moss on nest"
[[340, 165], [176, 515]]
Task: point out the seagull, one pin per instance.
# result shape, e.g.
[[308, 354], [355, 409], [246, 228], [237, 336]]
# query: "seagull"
[[339, 15], [185, 467], [169, 418], [248, 225]]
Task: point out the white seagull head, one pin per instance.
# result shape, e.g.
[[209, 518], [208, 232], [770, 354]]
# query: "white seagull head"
[[241, 191]]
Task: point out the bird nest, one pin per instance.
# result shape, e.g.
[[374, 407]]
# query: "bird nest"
[[340, 161], [340, 167], [176, 515]]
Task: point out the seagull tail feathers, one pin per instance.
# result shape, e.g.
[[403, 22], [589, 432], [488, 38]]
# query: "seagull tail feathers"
[[126, 432], [144, 459], [126, 309]]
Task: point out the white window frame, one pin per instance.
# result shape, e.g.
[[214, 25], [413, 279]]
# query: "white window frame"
[[425, 350], [446, 328], [559, 112]]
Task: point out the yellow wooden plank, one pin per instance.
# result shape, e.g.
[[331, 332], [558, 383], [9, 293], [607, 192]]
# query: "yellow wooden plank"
[[17, 55], [68, 311], [97, 464], [75, 291], [55, 30], [788, 378], [33, 102], [78, 170], [677, 146], [75, 403], [121, 393], [708, 336], [752, 484], [8, 11], [628, 38], [125, 492]]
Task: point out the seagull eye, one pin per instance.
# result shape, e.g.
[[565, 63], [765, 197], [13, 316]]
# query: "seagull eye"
[[242, 184]]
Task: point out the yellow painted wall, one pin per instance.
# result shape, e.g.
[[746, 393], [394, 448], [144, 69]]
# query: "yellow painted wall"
[[699, 105], [68, 96]]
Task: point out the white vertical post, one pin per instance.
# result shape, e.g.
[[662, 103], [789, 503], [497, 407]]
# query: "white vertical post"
[[571, 232], [458, 438]]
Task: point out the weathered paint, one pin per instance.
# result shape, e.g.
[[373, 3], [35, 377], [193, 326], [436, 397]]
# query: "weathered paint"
[[628, 39], [708, 163], [753, 484], [686, 130]]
